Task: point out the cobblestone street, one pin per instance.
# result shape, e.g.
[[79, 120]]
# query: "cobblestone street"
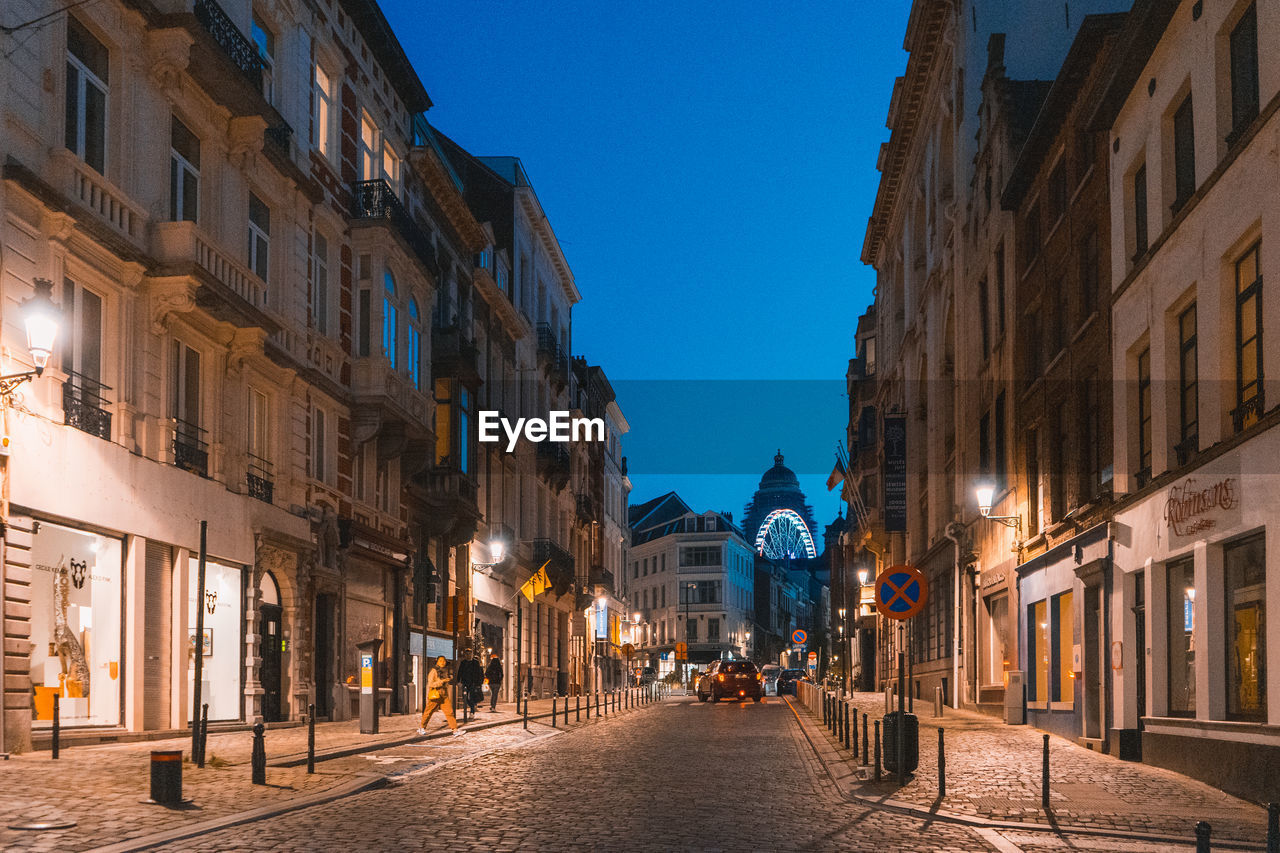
[[681, 776]]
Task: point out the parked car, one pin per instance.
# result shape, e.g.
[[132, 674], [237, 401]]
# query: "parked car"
[[731, 679], [648, 675], [770, 672], [787, 681]]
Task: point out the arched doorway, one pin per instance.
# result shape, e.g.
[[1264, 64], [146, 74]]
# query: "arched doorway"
[[269, 629]]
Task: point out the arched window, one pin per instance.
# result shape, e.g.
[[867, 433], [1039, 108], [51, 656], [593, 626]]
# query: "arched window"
[[389, 318], [269, 588], [415, 343]]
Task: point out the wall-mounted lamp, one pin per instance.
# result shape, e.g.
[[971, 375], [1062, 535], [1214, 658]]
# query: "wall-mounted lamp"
[[985, 493], [41, 317]]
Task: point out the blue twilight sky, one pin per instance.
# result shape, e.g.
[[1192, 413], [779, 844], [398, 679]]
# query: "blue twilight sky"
[[708, 168]]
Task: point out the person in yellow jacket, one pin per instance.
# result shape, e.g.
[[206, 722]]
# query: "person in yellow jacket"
[[438, 680]]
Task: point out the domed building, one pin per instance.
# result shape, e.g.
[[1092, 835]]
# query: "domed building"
[[778, 523]]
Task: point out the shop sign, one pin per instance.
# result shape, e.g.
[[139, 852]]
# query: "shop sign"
[[1193, 508], [992, 578]]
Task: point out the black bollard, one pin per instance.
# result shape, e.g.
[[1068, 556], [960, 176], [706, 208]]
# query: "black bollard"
[[577, 709], [57, 726], [526, 713], [826, 717], [166, 777], [855, 733], [866, 756], [1044, 776], [942, 766], [311, 738], [204, 733], [1203, 831], [554, 712], [877, 750], [846, 726], [259, 762], [1273, 827], [566, 710]]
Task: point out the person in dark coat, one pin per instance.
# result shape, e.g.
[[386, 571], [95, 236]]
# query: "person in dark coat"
[[471, 679], [494, 675]]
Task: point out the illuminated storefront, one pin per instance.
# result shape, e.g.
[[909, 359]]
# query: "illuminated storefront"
[[76, 606], [222, 685]]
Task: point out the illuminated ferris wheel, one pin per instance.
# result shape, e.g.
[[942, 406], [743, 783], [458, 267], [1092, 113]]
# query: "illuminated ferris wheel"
[[783, 535]]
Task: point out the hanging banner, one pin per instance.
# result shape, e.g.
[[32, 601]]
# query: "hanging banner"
[[895, 473]]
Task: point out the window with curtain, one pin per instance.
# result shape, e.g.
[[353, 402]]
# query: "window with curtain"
[[390, 320], [1188, 377], [1244, 72], [414, 355], [259, 237], [322, 112]]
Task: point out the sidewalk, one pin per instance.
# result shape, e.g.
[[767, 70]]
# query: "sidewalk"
[[993, 773], [101, 787]]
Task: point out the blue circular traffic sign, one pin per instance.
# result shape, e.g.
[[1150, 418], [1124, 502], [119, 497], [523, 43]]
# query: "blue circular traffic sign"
[[901, 592], [798, 637]]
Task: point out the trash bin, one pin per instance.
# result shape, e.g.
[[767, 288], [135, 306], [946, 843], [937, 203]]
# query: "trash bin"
[[889, 738]]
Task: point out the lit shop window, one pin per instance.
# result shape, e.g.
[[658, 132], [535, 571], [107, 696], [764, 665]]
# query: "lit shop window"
[[75, 626], [221, 687]]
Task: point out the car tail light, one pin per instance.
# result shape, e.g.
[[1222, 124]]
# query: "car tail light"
[[721, 677], [760, 677]]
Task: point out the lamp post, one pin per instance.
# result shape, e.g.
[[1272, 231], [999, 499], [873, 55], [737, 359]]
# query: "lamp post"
[[985, 492], [40, 317]]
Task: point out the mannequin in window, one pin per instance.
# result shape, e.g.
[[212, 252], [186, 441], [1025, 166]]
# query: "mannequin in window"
[[75, 684]]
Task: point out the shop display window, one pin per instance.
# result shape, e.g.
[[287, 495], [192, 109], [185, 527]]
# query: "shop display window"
[[1246, 611], [76, 597], [221, 675]]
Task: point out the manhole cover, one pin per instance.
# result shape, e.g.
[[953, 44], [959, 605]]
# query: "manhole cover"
[[37, 825]]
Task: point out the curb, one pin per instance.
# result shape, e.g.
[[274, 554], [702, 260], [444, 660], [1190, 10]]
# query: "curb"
[[364, 782], [911, 809]]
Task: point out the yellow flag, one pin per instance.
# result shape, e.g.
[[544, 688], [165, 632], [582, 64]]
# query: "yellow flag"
[[537, 584]]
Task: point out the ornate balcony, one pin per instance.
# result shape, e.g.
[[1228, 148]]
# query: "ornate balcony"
[[261, 479], [227, 35], [454, 355], [1247, 413], [559, 564], [586, 509], [190, 447], [553, 464], [225, 288], [599, 576], [450, 497], [1186, 449], [84, 406], [375, 202], [552, 358]]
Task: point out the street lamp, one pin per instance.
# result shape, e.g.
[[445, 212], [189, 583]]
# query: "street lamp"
[[40, 316], [985, 492]]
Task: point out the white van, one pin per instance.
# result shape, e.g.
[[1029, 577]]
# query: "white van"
[[770, 672]]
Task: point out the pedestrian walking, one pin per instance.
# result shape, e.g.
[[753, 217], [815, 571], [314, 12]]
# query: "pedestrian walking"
[[494, 674], [438, 697], [471, 679]]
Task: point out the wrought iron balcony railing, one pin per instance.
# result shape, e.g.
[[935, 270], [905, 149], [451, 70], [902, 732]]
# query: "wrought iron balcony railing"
[[1186, 449], [190, 447], [549, 348], [84, 406], [1247, 413], [228, 36], [559, 564], [261, 479], [376, 200]]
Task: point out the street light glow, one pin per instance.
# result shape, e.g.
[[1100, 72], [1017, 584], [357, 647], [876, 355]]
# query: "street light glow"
[[862, 577], [497, 550], [41, 320], [985, 492]]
